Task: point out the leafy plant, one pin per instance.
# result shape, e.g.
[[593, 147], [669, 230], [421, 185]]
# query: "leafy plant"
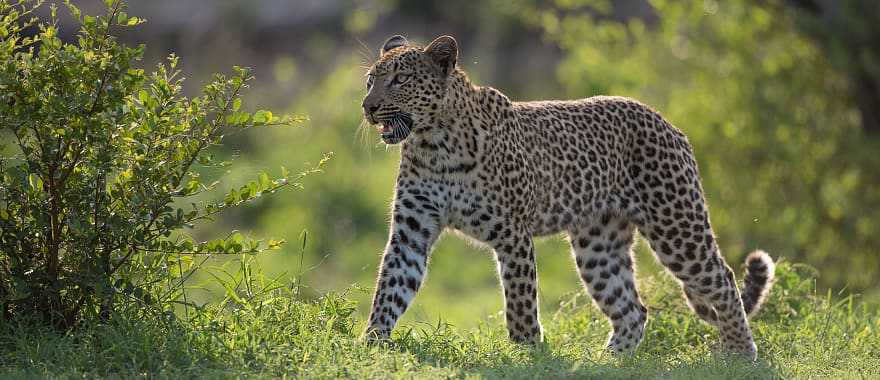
[[101, 166]]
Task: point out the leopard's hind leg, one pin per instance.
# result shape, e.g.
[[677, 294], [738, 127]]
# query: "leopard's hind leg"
[[602, 252], [686, 246]]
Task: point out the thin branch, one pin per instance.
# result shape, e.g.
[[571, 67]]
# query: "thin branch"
[[200, 253]]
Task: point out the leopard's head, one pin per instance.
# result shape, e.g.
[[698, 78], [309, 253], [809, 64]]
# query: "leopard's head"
[[406, 87]]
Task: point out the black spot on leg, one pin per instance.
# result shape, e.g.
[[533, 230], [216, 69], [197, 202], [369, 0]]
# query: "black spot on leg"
[[413, 224], [412, 283], [610, 300], [584, 242], [492, 235]]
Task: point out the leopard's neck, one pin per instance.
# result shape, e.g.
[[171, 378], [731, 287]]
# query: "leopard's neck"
[[460, 134]]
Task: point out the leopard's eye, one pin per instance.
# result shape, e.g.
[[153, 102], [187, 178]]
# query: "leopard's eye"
[[401, 78]]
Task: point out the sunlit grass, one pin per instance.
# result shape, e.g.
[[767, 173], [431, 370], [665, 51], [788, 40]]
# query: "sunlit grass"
[[800, 334]]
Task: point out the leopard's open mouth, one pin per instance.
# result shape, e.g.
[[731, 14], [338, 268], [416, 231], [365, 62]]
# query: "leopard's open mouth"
[[396, 128]]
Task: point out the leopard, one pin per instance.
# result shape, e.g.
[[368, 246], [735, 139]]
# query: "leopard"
[[503, 173]]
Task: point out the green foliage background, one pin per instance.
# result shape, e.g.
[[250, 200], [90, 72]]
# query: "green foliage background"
[[786, 164], [772, 96]]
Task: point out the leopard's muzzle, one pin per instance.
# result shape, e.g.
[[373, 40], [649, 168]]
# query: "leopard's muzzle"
[[395, 128]]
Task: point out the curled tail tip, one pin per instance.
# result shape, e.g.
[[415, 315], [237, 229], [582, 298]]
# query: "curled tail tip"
[[760, 271], [760, 261]]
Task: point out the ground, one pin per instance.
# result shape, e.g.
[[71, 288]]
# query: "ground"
[[800, 334]]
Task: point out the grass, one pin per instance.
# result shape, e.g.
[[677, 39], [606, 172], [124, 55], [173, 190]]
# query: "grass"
[[800, 334]]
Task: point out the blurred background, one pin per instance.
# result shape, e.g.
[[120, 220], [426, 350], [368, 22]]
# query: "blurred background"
[[781, 100]]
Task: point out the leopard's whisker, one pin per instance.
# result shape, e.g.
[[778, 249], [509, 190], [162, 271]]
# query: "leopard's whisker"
[[398, 129]]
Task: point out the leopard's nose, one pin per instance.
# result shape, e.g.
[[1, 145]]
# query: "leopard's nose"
[[370, 108], [371, 105]]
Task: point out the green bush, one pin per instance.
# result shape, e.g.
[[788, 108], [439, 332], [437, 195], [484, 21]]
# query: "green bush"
[[100, 170]]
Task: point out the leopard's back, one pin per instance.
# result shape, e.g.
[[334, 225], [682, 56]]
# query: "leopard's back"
[[590, 156]]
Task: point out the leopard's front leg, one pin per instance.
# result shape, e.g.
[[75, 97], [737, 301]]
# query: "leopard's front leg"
[[515, 255], [415, 225]]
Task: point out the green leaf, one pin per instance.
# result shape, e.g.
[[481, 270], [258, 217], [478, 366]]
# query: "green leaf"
[[35, 182], [253, 189], [238, 119], [275, 244], [236, 104], [265, 182], [262, 117], [232, 197], [143, 96], [192, 186]]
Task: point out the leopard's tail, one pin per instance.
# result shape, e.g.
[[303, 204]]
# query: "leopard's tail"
[[758, 281]]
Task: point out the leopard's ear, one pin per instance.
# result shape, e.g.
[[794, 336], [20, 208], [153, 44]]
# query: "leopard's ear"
[[443, 52], [392, 42]]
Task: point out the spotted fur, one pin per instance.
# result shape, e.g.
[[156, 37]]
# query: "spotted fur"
[[504, 172]]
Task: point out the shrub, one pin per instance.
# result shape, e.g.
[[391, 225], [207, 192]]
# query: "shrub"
[[100, 167]]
